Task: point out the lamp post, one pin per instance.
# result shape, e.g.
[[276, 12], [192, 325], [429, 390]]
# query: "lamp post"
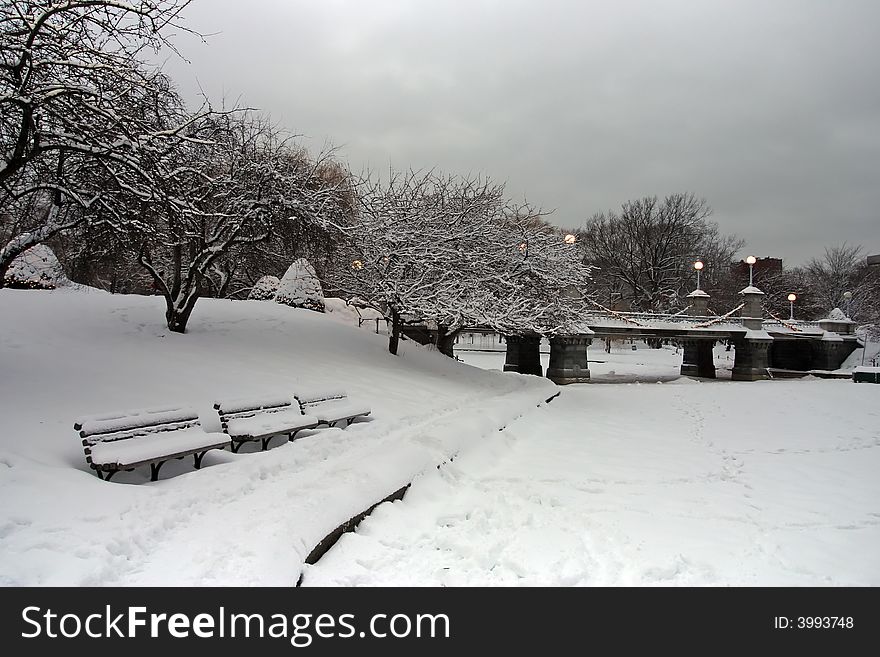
[[847, 296], [791, 299], [698, 265], [751, 260]]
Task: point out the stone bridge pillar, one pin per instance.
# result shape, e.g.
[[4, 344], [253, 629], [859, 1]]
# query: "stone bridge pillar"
[[699, 303], [524, 354], [830, 352], [698, 359], [838, 342], [530, 355], [511, 361], [753, 350], [752, 311], [568, 359], [752, 358]]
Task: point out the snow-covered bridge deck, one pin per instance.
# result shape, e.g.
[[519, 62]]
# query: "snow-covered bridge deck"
[[599, 323], [760, 343]]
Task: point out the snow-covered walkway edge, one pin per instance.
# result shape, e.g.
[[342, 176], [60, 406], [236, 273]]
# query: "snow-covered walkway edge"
[[243, 519]]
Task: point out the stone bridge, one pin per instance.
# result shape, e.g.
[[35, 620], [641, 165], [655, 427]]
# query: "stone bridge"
[[760, 344]]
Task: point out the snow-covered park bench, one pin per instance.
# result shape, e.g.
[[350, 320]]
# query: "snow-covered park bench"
[[863, 374], [152, 436], [331, 407], [250, 420]]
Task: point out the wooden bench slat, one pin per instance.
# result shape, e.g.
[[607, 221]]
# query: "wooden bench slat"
[[140, 432], [311, 395], [232, 406], [130, 420]]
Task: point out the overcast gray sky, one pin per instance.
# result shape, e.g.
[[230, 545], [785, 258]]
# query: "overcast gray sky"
[[768, 109]]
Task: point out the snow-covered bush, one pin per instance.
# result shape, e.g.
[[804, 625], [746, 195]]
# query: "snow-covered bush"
[[265, 288], [36, 268], [300, 287]]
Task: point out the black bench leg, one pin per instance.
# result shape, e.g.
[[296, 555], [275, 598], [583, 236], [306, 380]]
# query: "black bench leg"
[[236, 446], [197, 459], [154, 470], [349, 421], [292, 435], [264, 442]]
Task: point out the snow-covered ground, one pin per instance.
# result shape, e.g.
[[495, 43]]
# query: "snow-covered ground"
[[683, 483], [666, 481], [248, 518]]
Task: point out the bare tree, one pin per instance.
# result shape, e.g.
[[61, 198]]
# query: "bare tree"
[[295, 235], [797, 280], [645, 254], [233, 178], [454, 252], [836, 273], [78, 110]]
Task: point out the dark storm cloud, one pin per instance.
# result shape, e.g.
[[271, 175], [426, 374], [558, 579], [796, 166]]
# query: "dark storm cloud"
[[769, 110]]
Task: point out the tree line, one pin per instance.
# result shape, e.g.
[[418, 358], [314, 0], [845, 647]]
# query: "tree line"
[[644, 257], [136, 192], [102, 157], [103, 160]]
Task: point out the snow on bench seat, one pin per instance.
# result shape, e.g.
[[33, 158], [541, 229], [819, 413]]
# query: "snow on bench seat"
[[247, 420], [123, 454], [125, 440], [330, 406], [269, 424]]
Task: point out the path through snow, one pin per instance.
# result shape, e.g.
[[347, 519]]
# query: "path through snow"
[[768, 483]]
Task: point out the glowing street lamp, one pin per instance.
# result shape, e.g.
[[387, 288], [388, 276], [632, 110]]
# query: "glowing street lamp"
[[751, 260], [699, 267], [357, 264], [570, 239], [791, 299]]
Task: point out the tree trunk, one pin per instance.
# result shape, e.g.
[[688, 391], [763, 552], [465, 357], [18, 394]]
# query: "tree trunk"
[[446, 340], [177, 317], [4, 267], [394, 338]]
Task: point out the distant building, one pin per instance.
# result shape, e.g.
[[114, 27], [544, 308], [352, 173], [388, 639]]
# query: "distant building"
[[762, 267], [874, 260], [480, 340]]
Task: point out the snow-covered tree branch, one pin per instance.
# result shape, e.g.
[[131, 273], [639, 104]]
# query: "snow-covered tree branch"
[[81, 115], [235, 179], [453, 252]]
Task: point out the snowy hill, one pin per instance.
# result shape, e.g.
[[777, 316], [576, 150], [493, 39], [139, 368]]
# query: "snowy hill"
[[244, 519]]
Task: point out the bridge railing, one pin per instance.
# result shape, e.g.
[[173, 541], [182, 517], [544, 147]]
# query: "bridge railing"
[[794, 326], [648, 320]]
